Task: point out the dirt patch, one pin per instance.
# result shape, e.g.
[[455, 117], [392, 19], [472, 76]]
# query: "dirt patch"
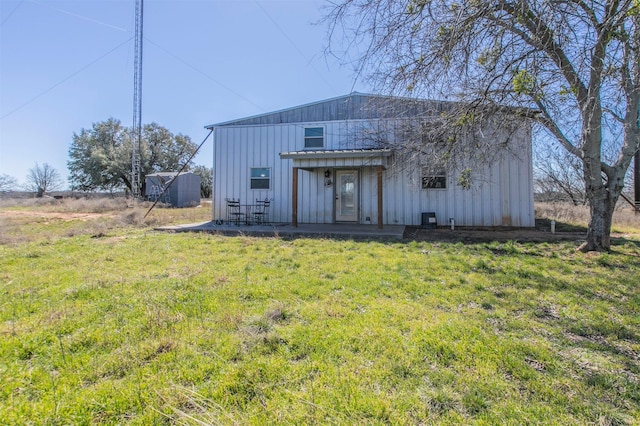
[[485, 235], [480, 235], [65, 216]]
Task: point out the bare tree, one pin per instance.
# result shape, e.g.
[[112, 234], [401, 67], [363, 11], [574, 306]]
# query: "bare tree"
[[558, 175], [43, 179], [7, 183], [572, 67]]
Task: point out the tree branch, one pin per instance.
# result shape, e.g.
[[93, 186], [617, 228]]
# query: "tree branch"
[[542, 38]]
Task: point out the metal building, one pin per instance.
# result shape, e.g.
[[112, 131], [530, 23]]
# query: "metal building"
[[321, 163], [183, 189]]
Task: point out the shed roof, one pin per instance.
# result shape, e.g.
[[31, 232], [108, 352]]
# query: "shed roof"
[[339, 157], [354, 106], [168, 174], [338, 153]]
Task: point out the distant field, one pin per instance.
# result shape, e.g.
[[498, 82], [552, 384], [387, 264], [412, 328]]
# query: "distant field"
[[105, 321]]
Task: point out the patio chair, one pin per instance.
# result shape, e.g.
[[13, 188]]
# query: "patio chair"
[[234, 215], [261, 212]]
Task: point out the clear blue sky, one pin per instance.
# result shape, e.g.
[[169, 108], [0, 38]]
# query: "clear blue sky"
[[67, 64]]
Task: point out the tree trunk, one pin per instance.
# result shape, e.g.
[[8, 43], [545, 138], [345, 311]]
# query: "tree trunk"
[[601, 207]]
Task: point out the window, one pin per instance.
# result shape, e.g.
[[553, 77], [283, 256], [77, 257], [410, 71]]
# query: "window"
[[314, 137], [434, 179], [260, 177]]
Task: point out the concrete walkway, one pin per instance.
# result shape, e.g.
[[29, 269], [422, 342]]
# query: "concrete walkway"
[[334, 230]]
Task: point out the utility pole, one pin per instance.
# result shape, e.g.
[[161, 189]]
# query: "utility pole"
[[636, 172], [636, 179], [136, 138]]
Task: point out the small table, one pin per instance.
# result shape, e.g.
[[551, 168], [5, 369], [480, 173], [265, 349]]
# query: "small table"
[[247, 212]]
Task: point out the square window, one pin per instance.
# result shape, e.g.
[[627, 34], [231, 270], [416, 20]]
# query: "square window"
[[260, 178], [314, 137], [434, 179]]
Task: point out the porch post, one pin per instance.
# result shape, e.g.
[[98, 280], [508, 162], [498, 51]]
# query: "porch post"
[[379, 197], [294, 199]]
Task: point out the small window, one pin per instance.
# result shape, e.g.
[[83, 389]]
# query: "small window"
[[314, 137], [434, 179], [260, 178]]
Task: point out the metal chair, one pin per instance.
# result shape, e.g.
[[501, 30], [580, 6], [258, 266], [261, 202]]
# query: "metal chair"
[[261, 212], [234, 215]]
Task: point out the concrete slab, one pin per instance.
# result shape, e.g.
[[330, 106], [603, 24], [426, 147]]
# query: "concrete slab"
[[333, 230]]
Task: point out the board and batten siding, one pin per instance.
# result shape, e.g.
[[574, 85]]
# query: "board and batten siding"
[[501, 193], [237, 149]]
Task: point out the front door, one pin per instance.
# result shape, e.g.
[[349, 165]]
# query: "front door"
[[346, 196]]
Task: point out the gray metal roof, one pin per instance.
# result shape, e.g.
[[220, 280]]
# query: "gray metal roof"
[[354, 106], [168, 174], [342, 158], [338, 153]]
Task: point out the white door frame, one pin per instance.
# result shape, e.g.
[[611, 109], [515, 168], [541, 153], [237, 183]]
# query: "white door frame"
[[347, 195]]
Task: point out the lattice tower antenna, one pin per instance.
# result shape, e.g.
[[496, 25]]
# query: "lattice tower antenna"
[[636, 178], [137, 104], [636, 175]]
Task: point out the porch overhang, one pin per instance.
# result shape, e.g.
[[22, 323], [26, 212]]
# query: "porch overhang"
[[344, 158], [339, 158]]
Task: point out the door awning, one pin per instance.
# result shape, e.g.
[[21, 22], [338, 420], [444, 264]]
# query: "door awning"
[[339, 158]]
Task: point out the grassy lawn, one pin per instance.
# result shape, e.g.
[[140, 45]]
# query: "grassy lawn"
[[103, 320]]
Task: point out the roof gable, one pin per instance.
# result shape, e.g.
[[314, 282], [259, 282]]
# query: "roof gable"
[[355, 106]]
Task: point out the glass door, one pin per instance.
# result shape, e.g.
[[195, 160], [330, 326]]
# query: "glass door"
[[346, 196]]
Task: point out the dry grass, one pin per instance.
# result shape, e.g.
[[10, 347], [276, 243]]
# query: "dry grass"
[[624, 216], [24, 220], [87, 205]]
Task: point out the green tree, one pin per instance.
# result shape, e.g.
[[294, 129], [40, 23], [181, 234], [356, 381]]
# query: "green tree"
[[206, 180], [100, 157], [573, 67], [43, 179]]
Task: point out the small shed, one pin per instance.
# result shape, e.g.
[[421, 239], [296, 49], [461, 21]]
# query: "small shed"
[[183, 188]]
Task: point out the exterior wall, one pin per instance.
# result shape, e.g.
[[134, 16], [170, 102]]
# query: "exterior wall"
[[237, 149], [501, 193], [184, 192]]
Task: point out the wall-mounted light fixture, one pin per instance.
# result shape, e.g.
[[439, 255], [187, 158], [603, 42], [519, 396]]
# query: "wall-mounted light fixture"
[[327, 178]]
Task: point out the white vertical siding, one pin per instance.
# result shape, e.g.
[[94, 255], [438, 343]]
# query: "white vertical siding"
[[501, 194]]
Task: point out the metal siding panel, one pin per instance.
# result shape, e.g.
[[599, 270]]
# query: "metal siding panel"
[[495, 194], [402, 209], [389, 195], [445, 204], [305, 199], [239, 177], [281, 206], [525, 176], [514, 187], [262, 155], [451, 210], [219, 170], [487, 197], [227, 168], [239, 148], [462, 205], [504, 191], [413, 205], [285, 139], [281, 175]]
